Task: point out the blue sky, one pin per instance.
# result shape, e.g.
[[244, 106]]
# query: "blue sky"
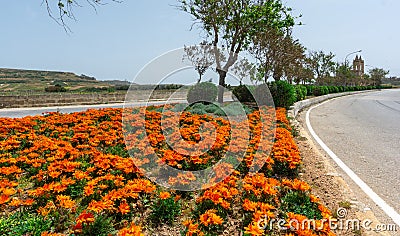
[[118, 40]]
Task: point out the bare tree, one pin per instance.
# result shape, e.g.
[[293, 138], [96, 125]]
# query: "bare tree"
[[201, 57], [243, 68], [65, 9]]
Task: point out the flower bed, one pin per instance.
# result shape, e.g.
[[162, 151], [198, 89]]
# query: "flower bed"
[[64, 174]]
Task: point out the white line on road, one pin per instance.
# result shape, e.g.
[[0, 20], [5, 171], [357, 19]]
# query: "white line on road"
[[367, 190]]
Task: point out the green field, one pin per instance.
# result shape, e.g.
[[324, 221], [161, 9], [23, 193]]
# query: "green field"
[[16, 81]]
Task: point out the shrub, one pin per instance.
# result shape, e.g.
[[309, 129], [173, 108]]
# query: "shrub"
[[262, 95], [310, 90], [301, 92], [300, 203], [102, 226], [24, 223], [317, 91], [243, 93], [236, 109], [165, 210], [55, 89], [304, 89], [337, 89], [331, 89], [205, 92], [283, 93]]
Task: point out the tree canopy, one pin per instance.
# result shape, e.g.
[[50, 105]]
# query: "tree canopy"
[[278, 54], [233, 24], [377, 75], [322, 65]]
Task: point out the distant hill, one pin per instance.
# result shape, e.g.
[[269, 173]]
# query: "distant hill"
[[17, 82], [18, 75], [36, 81]]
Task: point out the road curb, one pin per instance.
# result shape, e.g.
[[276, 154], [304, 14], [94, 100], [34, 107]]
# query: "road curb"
[[301, 105]]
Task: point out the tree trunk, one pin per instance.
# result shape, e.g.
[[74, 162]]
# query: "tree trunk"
[[199, 80], [222, 76]]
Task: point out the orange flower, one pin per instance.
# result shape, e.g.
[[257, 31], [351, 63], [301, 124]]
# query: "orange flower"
[[124, 208], [314, 198], [210, 218], [65, 201], [192, 229], [165, 195], [249, 205], [177, 197], [300, 185], [51, 234], [254, 229], [85, 217], [132, 230]]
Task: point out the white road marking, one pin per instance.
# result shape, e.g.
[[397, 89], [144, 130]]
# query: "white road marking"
[[367, 190]]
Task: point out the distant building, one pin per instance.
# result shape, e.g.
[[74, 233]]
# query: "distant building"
[[358, 66]]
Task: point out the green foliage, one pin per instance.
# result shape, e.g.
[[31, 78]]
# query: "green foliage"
[[300, 203], [310, 90], [282, 169], [234, 24], [165, 210], [205, 92], [320, 90], [243, 93], [283, 93], [119, 149], [55, 89], [167, 86], [24, 223], [262, 95], [322, 64], [235, 109], [301, 92], [102, 226], [228, 109], [377, 75], [99, 89]]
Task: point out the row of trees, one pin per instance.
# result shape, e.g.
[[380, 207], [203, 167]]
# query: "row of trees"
[[263, 29]]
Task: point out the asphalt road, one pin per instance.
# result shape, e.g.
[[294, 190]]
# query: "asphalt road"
[[364, 132], [32, 111]]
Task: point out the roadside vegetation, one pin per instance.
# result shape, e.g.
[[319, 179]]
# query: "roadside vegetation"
[[71, 174]]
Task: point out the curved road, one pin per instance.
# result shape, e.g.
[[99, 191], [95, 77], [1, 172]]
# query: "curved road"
[[364, 132]]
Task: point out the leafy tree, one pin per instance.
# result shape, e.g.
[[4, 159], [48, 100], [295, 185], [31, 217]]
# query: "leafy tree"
[[344, 74], [322, 65], [377, 75], [304, 74], [233, 24], [279, 55]]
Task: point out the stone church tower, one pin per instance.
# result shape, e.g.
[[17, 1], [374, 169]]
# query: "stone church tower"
[[358, 66]]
